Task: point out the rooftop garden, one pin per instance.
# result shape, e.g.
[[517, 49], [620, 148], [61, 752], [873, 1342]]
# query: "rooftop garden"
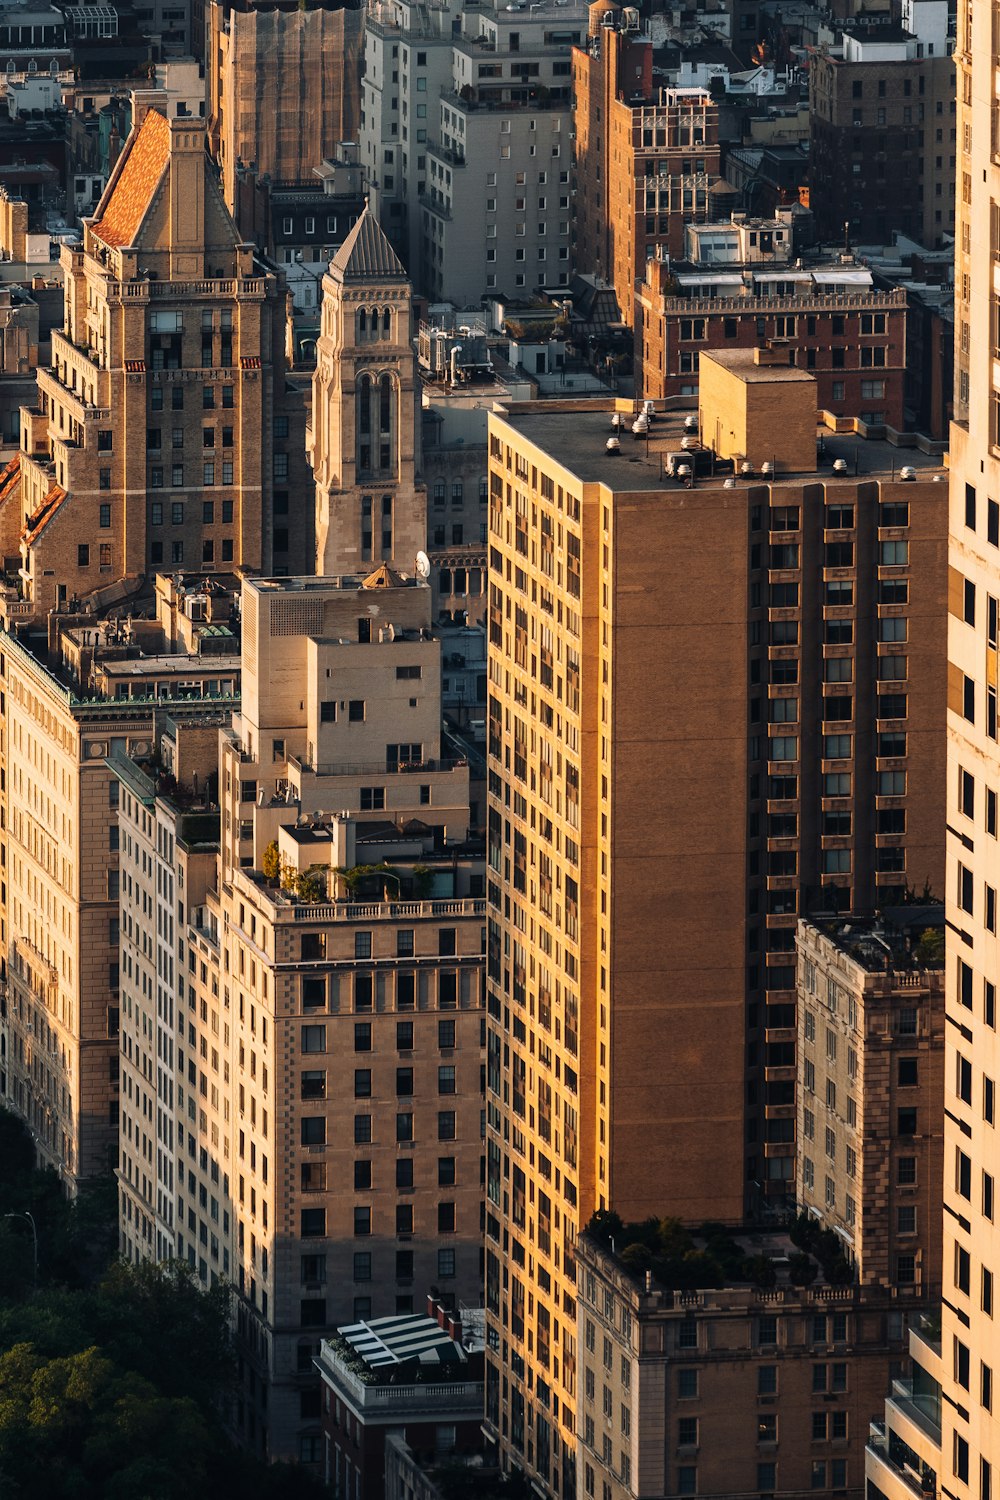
[[682, 1259]]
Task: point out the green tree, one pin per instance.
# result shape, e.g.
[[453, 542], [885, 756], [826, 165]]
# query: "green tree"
[[270, 862]]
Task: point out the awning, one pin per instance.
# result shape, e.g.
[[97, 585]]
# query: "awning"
[[711, 280], [845, 277]]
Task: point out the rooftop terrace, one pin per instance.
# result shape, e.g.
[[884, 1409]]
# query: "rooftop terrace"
[[575, 435]]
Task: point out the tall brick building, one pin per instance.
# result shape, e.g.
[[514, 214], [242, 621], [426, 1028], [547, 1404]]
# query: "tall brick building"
[[735, 722], [828, 318], [645, 158], [163, 435]]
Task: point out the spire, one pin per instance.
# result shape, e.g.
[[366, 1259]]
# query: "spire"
[[366, 254]]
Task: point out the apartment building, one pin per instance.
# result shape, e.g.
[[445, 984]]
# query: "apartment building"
[[162, 434], [729, 1392], [364, 437], [870, 1102], [826, 316], [352, 976], [466, 129], [882, 147], [646, 158], [609, 582], [176, 1060], [970, 1440], [407, 66], [61, 923]]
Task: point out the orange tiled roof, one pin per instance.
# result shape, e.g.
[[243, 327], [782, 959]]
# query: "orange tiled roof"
[[130, 198], [43, 515], [9, 477]]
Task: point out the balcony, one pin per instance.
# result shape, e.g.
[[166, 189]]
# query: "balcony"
[[918, 1417], [897, 1481]]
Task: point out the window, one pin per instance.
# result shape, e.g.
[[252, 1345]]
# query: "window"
[[312, 1222], [362, 1221]]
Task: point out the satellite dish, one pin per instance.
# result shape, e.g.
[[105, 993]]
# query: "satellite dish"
[[423, 565]]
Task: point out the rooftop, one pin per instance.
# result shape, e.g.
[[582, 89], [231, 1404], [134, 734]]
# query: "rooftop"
[[575, 435], [743, 363], [366, 254], [401, 1340], [123, 212], [899, 939]]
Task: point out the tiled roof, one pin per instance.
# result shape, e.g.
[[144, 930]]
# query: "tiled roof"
[[10, 476], [43, 515], [131, 195], [366, 254]]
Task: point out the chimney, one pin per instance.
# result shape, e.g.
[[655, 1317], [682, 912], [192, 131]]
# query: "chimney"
[[454, 1328], [143, 100]]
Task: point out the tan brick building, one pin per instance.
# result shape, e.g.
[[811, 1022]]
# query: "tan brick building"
[[729, 1392], [621, 790], [315, 1035], [162, 434], [871, 1091], [645, 157]]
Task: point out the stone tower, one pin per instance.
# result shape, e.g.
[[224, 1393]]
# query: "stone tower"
[[364, 446]]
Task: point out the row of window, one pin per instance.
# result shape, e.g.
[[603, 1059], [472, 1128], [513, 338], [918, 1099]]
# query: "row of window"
[[313, 1084], [313, 1130], [312, 1221]]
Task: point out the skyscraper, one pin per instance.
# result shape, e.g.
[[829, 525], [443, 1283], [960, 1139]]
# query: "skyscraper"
[[970, 1457], [702, 722]]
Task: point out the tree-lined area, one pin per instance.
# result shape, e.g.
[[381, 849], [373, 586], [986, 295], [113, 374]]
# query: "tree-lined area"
[[114, 1378]]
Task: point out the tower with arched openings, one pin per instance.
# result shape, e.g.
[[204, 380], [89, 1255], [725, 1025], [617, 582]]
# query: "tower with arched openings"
[[364, 447]]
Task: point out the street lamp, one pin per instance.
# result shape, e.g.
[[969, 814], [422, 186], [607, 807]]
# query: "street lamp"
[[34, 1237]]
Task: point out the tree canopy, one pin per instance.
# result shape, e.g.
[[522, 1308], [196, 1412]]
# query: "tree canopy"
[[115, 1379]]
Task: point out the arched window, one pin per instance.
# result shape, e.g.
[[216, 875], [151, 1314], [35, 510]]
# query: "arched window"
[[386, 323], [385, 405], [364, 403], [362, 323]]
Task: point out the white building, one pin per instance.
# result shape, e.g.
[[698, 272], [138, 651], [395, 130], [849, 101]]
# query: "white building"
[[469, 124]]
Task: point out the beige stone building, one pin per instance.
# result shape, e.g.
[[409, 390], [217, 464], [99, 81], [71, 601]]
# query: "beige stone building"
[[641, 1033], [730, 1392], [62, 959], [309, 1043], [364, 439], [162, 435], [871, 1091]]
